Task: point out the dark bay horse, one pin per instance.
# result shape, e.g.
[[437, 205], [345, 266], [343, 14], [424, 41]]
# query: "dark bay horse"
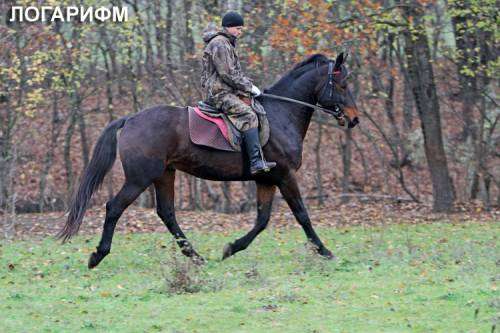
[[155, 142]]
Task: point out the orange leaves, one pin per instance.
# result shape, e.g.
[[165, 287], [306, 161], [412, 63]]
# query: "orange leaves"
[[254, 59], [283, 21], [394, 72], [135, 220], [312, 26]]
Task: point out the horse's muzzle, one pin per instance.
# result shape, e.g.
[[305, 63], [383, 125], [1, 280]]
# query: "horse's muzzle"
[[353, 123]]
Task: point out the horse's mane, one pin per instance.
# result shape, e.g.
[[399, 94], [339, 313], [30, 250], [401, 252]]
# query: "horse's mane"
[[312, 59], [302, 67]]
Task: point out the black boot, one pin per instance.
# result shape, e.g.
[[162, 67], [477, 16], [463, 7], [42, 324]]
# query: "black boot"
[[254, 152]]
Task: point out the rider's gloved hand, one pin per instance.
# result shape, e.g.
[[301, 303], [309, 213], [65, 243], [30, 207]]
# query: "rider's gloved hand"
[[256, 91]]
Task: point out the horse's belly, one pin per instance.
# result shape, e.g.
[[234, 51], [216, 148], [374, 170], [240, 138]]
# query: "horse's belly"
[[206, 172], [212, 165]]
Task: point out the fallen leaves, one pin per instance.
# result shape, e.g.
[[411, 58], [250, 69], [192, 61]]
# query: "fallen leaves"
[[136, 220]]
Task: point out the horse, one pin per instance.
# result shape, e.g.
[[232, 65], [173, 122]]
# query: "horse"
[[155, 142]]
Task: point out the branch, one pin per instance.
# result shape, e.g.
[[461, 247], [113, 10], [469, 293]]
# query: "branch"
[[374, 196], [392, 24]]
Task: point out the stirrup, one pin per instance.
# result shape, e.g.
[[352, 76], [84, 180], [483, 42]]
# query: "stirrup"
[[267, 166]]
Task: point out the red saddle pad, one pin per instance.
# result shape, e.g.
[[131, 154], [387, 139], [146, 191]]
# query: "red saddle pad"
[[208, 131]]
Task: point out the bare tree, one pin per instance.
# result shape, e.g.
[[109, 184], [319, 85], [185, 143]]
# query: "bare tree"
[[424, 91]]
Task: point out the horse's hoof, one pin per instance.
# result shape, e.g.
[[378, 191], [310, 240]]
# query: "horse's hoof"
[[94, 260], [198, 260], [327, 254], [227, 251]]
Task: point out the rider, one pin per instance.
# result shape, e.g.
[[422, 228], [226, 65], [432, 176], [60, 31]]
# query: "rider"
[[224, 83]]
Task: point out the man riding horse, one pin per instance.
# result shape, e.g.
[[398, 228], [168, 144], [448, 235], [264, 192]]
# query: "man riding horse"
[[155, 142], [225, 85]]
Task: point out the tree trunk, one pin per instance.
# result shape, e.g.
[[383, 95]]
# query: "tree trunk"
[[424, 91], [317, 154], [109, 110], [226, 191], [168, 33], [346, 162], [67, 154], [188, 40], [9, 122], [408, 103], [466, 61], [83, 133], [49, 157]]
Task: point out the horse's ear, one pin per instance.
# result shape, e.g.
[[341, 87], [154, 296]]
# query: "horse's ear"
[[339, 61]]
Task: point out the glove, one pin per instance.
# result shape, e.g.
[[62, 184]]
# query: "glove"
[[256, 91]]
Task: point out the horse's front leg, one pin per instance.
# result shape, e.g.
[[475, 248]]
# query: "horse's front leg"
[[291, 193]]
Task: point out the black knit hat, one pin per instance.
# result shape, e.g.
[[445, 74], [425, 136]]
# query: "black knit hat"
[[232, 19]]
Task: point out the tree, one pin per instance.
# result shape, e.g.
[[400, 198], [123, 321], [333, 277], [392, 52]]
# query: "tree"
[[423, 85]]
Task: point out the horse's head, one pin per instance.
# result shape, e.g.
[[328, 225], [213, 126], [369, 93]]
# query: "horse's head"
[[333, 92]]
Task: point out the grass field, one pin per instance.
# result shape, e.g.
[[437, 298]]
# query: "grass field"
[[399, 278]]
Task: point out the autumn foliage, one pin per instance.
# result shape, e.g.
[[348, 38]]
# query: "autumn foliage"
[[61, 83]]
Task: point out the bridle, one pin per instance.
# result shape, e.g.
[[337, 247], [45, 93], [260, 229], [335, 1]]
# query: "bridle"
[[327, 88]]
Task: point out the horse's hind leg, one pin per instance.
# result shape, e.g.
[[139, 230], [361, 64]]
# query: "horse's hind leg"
[[265, 195], [114, 209], [164, 187]]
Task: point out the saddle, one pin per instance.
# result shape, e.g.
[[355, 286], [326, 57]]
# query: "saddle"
[[210, 127]]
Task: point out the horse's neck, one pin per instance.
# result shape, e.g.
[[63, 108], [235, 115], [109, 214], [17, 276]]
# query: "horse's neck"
[[296, 116]]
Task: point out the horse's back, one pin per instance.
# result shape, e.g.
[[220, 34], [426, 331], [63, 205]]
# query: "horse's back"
[[153, 131], [155, 116], [158, 137]]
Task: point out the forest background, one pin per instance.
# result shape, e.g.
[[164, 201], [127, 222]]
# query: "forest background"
[[424, 73]]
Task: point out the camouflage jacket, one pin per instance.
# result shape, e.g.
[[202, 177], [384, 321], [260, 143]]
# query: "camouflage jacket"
[[221, 67]]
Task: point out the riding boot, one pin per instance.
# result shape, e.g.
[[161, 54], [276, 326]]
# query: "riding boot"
[[254, 152]]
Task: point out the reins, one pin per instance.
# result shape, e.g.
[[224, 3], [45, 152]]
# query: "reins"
[[336, 113]]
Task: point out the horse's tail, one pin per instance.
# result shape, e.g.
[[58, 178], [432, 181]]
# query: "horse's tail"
[[103, 157]]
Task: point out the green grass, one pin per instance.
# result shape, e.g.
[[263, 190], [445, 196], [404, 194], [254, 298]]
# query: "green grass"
[[401, 278]]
